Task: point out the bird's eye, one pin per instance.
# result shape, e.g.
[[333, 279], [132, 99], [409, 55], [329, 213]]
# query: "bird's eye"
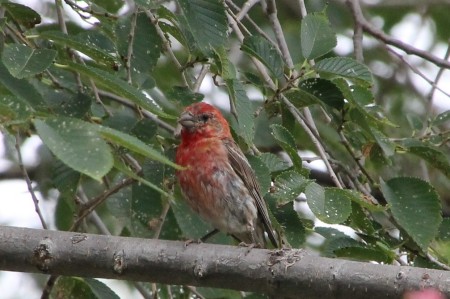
[[205, 117]]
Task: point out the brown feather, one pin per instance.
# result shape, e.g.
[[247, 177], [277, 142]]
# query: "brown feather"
[[245, 172]]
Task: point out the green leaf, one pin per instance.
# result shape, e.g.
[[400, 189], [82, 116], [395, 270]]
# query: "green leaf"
[[287, 142], [119, 205], [145, 130], [347, 68], [324, 91], [100, 290], [289, 185], [77, 144], [118, 164], [334, 240], [85, 43], [359, 220], [273, 162], [147, 44], [301, 98], [65, 179], [219, 293], [63, 213], [22, 14], [134, 144], [22, 89], [192, 226], [415, 122], [117, 86], [111, 6], [245, 126], [206, 21], [225, 67], [261, 172], [441, 118], [361, 200], [415, 206], [362, 95], [264, 51], [184, 96], [14, 109], [317, 36], [294, 231], [146, 203], [433, 156], [86, 288], [331, 205], [76, 106], [364, 253], [146, 3], [444, 230], [23, 61]]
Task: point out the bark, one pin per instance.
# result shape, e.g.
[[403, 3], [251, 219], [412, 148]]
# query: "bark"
[[281, 273]]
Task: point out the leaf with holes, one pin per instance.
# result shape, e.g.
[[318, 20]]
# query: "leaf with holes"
[[23, 61], [289, 185], [345, 67], [287, 142], [206, 21], [317, 36], [261, 49], [77, 144], [112, 83], [416, 207], [244, 126], [331, 205]]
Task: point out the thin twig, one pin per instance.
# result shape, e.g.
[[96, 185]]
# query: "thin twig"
[[311, 132], [313, 135], [353, 155], [245, 9], [28, 181], [436, 80], [166, 45], [417, 71], [201, 76], [253, 23], [271, 12], [88, 10], [146, 114], [193, 290], [357, 36], [303, 11], [380, 35], [131, 36], [94, 203], [49, 286], [162, 218], [437, 262]]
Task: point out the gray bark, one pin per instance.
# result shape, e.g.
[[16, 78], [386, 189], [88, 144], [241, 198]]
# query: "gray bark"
[[281, 273]]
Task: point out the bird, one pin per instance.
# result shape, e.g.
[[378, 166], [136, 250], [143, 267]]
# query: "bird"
[[217, 180]]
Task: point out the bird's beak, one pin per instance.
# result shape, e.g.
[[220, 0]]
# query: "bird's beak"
[[186, 120]]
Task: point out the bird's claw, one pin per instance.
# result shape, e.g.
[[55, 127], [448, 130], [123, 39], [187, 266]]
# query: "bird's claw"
[[190, 241], [249, 246]]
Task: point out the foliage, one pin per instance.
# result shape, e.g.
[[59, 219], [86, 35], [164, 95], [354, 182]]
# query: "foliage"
[[104, 99]]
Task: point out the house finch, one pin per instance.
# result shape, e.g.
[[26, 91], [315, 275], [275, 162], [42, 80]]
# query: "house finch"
[[218, 182]]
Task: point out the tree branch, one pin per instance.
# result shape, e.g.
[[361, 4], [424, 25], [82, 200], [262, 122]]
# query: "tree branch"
[[383, 37], [283, 273]]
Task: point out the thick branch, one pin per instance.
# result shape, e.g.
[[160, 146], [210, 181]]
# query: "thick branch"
[[284, 273]]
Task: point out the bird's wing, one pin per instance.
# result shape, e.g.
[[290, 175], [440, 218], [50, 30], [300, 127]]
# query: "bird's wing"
[[240, 164]]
